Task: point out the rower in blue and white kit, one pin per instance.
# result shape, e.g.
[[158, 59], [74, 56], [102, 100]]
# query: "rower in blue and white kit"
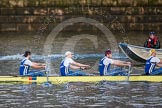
[[151, 63], [26, 64], [68, 63], [107, 61]]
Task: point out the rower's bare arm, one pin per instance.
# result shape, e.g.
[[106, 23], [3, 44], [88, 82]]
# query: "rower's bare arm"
[[159, 65], [74, 67], [37, 66], [121, 63], [160, 61], [80, 65]]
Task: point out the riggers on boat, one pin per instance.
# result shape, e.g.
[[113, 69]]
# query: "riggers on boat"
[[137, 53], [59, 79]]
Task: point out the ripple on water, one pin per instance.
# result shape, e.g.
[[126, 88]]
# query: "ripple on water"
[[105, 94]]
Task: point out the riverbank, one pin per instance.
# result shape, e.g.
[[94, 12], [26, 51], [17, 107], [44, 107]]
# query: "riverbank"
[[134, 15]]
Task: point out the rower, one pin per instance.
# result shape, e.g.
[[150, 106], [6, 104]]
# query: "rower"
[[26, 64], [68, 63], [152, 41], [151, 63], [107, 61]]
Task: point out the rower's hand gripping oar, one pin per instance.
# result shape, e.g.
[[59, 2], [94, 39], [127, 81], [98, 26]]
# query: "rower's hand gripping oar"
[[85, 68]]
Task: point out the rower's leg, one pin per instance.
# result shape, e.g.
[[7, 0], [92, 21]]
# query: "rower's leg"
[[117, 71], [70, 73], [35, 73], [123, 73], [157, 72], [112, 73], [77, 73]]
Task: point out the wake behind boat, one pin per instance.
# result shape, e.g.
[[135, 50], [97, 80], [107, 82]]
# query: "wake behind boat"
[[137, 53]]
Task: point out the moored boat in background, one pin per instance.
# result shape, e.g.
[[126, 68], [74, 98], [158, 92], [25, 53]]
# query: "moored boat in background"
[[137, 53]]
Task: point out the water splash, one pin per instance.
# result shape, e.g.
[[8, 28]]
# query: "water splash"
[[11, 57], [47, 84], [57, 56]]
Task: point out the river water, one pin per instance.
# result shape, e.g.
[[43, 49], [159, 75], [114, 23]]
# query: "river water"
[[89, 49], [70, 95]]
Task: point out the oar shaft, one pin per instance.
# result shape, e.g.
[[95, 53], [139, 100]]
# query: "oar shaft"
[[129, 71]]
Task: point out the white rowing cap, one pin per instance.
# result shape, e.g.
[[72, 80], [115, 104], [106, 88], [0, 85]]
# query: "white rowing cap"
[[68, 53]]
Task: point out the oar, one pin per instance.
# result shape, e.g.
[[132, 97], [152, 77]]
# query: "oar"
[[48, 83], [129, 71], [46, 72], [88, 74]]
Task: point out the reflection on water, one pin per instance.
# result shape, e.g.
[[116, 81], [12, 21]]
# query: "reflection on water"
[[101, 94]]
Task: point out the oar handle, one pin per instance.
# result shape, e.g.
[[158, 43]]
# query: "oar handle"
[[84, 67], [129, 69], [46, 69]]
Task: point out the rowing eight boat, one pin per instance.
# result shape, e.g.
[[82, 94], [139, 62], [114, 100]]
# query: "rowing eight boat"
[[59, 80]]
